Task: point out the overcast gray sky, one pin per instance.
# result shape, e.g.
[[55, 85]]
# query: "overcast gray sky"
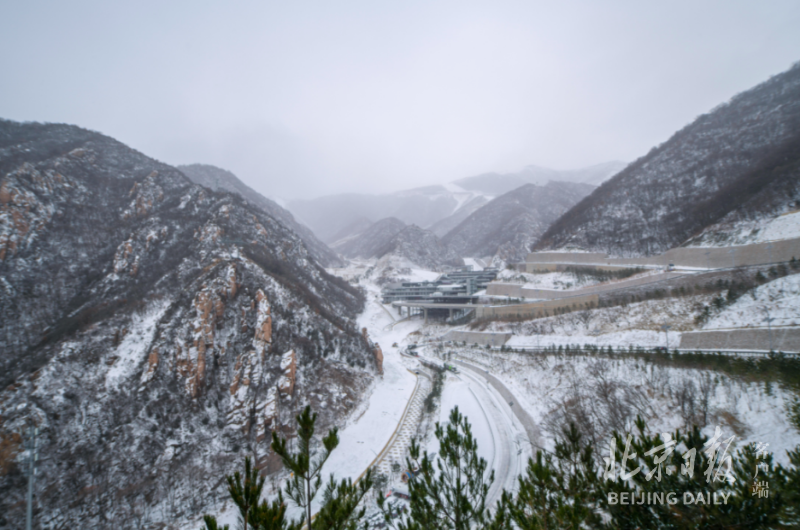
[[311, 98]]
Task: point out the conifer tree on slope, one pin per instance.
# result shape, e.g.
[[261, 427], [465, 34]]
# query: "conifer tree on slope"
[[450, 495], [246, 495], [340, 501], [568, 490]]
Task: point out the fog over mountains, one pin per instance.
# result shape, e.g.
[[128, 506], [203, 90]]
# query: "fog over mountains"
[[159, 323], [499, 183], [343, 220], [509, 225], [736, 165], [215, 216], [216, 179], [429, 207]]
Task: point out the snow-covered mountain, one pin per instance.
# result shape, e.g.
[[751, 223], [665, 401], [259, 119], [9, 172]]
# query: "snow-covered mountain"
[[420, 247], [443, 226], [368, 243], [328, 216], [740, 163], [350, 231], [394, 243], [508, 226], [437, 208], [499, 183], [155, 331], [216, 178]]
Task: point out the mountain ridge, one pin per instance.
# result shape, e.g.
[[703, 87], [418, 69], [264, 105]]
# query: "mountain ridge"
[[143, 313], [703, 172], [426, 206], [508, 225], [218, 178], [367, 243]]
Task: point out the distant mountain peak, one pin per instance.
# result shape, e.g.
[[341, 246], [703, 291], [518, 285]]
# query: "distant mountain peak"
[[367, 243], [499, 183], [421, 247], [508, 225]]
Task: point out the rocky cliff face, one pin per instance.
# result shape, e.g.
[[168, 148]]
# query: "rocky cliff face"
[[220, 179], [370, 241], [509, 225], [144, 327], [740, 157]]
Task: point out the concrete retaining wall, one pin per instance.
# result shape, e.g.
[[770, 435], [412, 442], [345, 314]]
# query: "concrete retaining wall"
[[517, 291], [783, 339], [537, 309], [476, 337], [700, 257], [504, 289], [566, 257], [546, 294], [560, 267]]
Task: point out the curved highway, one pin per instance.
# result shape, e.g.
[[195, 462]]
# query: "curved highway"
[[502, 438]]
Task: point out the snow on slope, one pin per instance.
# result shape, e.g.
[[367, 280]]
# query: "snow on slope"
[[427, 206], [507, 226], [501, 438], [786, 226], [546, 280], [745, 232], [363, 437], [366, 243], [544, 384], [638, 324], [220, 179], [132, 351], [779, 299], [328, 216], [154, 397]]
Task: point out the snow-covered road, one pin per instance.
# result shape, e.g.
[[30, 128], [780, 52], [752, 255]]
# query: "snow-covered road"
[[502, 439]]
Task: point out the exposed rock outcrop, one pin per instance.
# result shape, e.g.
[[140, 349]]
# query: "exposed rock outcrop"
[[141, 317], [289, 368], [376, 350]]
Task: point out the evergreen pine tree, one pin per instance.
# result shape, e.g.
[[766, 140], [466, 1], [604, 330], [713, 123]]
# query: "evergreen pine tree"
[[567, 490], [452, 494], [340, 504], [743, 509], [246, 495], [305, 466], [558, 490], [340, 509]]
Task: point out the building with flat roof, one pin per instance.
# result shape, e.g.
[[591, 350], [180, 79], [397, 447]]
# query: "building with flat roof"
[[454, 287]]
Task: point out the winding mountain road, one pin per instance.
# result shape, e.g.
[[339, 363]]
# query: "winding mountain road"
[[503, 439], [531, 428]]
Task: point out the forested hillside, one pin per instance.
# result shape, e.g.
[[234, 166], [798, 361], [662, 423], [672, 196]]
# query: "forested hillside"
[[738, 160], [154, 331]]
